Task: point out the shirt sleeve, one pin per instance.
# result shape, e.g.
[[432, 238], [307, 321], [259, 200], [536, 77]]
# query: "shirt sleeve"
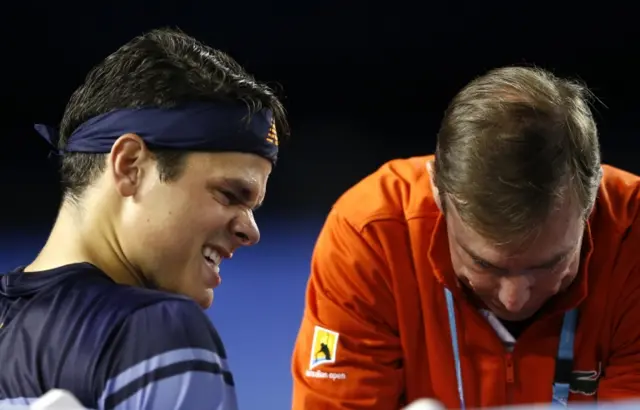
[[621, 378], [166, 356], [347, 353]]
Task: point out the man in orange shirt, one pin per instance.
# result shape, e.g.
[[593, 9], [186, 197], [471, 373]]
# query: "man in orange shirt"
[[505, 269]]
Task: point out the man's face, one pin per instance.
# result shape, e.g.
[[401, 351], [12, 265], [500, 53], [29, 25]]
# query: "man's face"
[[177, 233], [514, 282]]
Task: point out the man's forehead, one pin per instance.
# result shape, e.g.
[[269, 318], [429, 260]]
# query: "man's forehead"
[[231, 166], [538, 251], [535, 250], [546, 241], [245, 184]]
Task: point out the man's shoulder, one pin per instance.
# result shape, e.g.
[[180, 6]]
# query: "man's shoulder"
[[165, 320], [83, 298], [618, 199], [165, 347], [89, 301], [165, 325], [73, 326], [129, 299], [615, 222], [399, 190], [168, 342], [104, 301], [75, 295]]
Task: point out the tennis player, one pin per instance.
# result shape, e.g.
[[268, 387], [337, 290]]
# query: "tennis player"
[[166, 150]]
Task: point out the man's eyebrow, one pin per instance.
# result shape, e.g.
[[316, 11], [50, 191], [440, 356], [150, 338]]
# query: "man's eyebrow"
[[546, 264], [554, 260], [478, 258], [244, 191]]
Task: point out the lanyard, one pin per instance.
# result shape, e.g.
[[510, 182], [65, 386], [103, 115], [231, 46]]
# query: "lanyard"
[[564, 359]]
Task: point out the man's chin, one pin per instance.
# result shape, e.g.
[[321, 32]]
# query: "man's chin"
[[513, 316], [206, 300]]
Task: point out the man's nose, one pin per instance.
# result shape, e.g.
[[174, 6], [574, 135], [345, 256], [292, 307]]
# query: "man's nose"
[[245, 230], [514, 292]]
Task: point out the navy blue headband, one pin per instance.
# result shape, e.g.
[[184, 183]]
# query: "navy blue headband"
[[191, 127]]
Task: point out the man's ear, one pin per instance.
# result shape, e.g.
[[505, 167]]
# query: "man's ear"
[[432, 178], [597, 188], [128, 158]]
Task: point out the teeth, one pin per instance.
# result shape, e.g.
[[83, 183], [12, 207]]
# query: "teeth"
[[211, 254]]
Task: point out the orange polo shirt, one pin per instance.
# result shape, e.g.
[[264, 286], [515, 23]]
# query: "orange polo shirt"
[[375, 332]]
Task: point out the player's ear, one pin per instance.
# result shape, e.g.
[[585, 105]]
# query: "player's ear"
[[434, 189], [128, 161]]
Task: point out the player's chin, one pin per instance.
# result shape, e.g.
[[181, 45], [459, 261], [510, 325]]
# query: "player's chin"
[[205, 298], [201, 295]]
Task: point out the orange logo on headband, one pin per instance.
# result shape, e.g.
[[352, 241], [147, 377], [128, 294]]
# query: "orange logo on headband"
[[272, 136]]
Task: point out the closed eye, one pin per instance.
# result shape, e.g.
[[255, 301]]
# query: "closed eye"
[[231, 198], [482, 264]]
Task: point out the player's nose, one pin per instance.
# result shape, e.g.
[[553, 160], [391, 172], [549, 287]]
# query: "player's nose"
[[244, 230]]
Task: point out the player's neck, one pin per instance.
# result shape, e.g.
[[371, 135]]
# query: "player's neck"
[[78, 236]]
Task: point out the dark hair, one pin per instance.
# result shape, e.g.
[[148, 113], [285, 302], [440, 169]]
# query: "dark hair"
[[162, 68], [512, 145]]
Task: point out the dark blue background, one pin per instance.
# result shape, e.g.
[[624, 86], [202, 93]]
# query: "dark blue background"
[[363, 82]]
